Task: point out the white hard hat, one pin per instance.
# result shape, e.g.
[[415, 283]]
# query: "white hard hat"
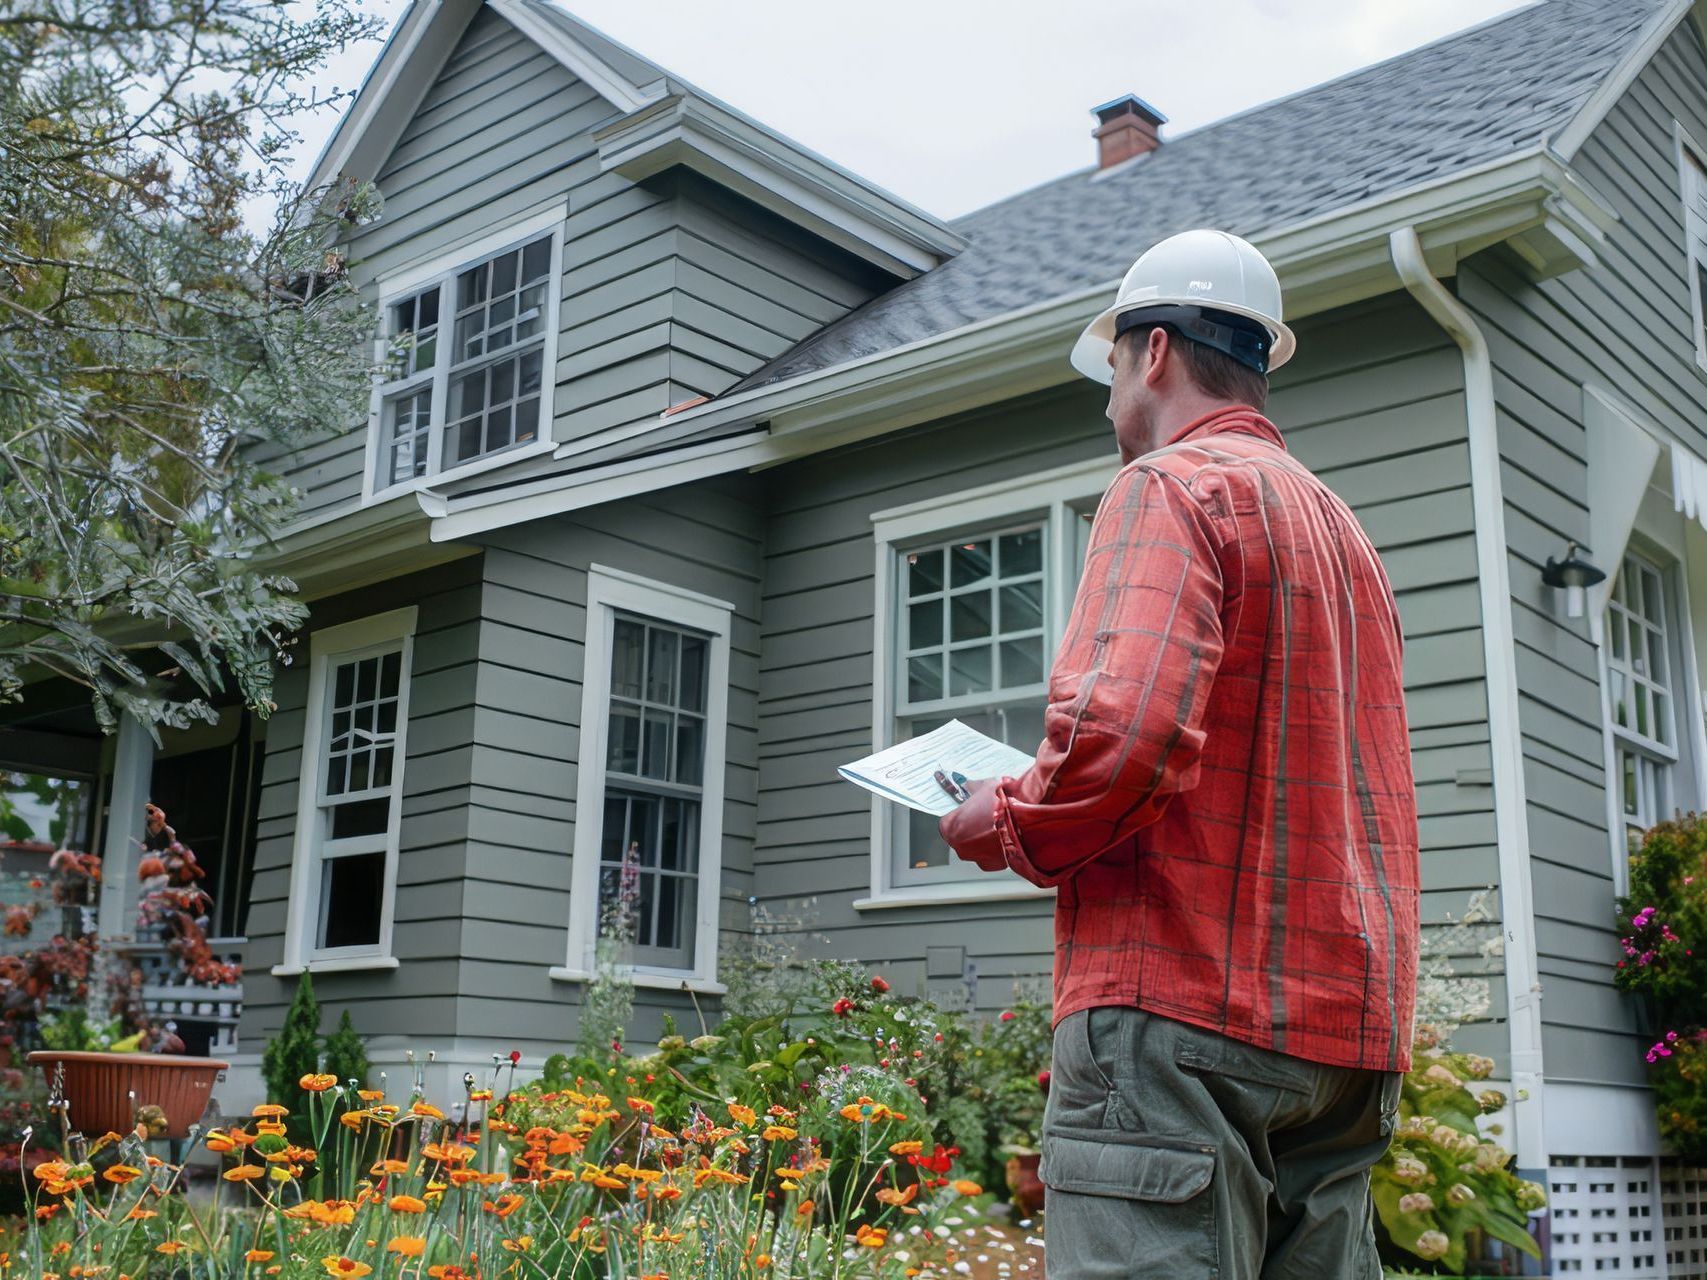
[[1199, 271]]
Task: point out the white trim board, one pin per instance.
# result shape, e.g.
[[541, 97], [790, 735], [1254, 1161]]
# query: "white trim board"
[[609, 590], [1569, 140]]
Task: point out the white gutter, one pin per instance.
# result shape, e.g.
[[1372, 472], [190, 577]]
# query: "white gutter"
[[1499, 650]]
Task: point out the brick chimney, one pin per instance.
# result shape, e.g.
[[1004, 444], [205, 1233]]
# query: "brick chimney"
[[1126, 127]]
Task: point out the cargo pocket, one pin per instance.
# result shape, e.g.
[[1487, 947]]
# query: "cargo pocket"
[[1129, 1204]]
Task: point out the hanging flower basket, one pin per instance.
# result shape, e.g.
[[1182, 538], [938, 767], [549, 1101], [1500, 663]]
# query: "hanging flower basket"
[[105, 1091]]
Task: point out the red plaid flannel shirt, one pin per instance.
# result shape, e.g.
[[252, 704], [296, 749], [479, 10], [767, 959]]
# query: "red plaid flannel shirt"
[[1224, 796]]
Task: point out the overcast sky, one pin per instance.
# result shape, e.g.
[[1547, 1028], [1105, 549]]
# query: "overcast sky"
[[952, 104]]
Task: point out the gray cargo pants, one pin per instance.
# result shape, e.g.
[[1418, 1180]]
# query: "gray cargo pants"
[[1172, 1151]]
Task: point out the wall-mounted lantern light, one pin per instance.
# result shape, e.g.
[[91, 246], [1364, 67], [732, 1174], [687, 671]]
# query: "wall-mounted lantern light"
[[1575, 575]]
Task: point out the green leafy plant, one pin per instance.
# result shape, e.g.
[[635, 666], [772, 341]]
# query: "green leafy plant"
[[1444, 1182], [345, 1053], [294, 1052], [1660, 921], [73, 1030]]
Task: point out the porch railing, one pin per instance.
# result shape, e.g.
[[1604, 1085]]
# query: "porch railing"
[[168, 995]]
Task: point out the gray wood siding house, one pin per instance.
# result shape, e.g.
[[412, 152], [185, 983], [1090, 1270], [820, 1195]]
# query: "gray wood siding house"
[[707, 466]]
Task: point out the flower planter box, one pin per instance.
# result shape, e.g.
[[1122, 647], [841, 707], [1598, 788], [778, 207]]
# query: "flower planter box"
[[105, 1090]]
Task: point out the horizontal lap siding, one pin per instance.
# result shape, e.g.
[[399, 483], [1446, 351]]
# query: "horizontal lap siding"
[[420, 996], [526, 739], [1374, 405], [1625, 325]]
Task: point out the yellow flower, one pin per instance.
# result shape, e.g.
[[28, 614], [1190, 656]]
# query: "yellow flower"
[[871, 1237], [407, 1246], [340, 1266], [521, 1244], [121, 1174]]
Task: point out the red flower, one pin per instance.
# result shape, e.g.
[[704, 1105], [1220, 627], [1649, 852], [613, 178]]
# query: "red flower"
[[843, 1007], [878, 984], [939, 1161], [1043, 1079], [515, 1057]]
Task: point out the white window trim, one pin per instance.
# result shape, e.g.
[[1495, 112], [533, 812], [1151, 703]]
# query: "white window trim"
[[608, 591], [326, 645], [1051, 493], [1694, 237], [443, 270]]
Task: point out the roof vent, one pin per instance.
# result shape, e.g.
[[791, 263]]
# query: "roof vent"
[[1126, 127]]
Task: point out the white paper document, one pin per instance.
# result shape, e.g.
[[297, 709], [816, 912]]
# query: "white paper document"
[[905, 772]]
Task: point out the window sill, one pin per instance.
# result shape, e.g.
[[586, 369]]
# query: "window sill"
[[654, 981], [942, 895], [503, 457], [338, 964]]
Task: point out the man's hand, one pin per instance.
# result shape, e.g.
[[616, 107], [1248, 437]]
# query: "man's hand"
[[970, 830]]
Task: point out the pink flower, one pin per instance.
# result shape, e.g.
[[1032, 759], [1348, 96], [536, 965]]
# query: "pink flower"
[[1007, 1015]]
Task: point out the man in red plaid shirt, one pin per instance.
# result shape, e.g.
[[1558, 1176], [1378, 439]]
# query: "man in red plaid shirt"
[[1224, 801]]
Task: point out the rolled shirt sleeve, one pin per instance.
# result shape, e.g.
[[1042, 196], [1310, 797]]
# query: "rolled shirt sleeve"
[[1127, 691]]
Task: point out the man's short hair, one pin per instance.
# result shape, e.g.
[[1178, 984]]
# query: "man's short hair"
[[1215, 373]]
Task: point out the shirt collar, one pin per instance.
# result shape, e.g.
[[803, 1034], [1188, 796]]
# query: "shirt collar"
[[1233, 417]]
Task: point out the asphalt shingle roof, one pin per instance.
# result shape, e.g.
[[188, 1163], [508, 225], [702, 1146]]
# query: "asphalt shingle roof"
[[1463, 101]]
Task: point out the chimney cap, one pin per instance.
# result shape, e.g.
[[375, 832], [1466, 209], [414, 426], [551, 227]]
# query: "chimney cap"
[[1128, 104]]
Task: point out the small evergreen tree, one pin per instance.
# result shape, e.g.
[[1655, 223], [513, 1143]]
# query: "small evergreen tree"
[[346, 1053], [293, 1053]]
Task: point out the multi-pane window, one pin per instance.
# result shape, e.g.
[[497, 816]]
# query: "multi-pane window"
[[1641, 688], [654, 782], [358, 785], [974, 645], [468, 355]]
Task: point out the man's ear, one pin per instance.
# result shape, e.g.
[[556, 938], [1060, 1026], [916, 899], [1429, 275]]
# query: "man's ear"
[[1159, 347]]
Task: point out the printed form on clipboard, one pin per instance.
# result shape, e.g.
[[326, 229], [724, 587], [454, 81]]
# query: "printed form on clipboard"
[[906, 772]]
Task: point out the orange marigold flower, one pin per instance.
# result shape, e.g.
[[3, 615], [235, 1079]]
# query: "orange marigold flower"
[[274, 1127], [905, 1148], [426, 1109], [383, 1168], [763, 1260], [244, 1173], [504, 1206], [339, 1213], [316, 1084], [353, 1119], [521, 1244], [407, 1204], [448, 1153], [703, 1176], [50, 1171], [666, 1193], [46, 1211], [803, 1209], [641, 1105], [139, 1213], [871, 1237], [170, 1247], [341, 1266], [889, 1195], [121, 1174], [269, 1111], [258, 1255], [370, 1095], [219, 1141], [407, 1246], [779, 1133], [966, 1187]]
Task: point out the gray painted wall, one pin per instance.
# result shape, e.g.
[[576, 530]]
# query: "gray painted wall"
[[1374, 404], [1624, 324], [671, 290]]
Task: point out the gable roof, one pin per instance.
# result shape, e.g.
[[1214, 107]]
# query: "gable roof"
[[1483, 95], [665, 122]]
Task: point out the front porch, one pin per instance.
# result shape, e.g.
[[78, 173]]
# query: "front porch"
[[65, 785]]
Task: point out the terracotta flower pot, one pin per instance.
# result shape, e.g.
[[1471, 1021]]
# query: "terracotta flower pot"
[[105, 1090], [1023, 1182]]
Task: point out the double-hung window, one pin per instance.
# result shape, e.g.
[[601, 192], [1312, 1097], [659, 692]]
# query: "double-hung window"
[[973, 594], [1692, 173], [649, 803], [351, 791], [470, 341], [1641, 618]]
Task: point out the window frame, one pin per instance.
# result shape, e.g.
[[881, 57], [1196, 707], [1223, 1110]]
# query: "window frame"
[[611, 592], [1058, 497], [442, 271], [1692, 173], [329, 647]]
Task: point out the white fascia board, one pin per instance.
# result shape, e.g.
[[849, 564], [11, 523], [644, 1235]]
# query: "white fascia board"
[[1569, 140], [1323, 263], [582, 62], [695, 134]]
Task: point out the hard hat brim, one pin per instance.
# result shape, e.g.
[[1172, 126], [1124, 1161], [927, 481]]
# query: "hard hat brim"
[[1090, 353]]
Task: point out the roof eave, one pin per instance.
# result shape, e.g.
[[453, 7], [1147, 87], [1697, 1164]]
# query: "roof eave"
[[1567, 141]]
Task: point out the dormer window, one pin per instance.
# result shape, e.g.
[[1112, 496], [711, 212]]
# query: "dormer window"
[[468, 345]]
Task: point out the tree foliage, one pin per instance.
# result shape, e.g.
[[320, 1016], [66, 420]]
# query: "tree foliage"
[[155, 350]]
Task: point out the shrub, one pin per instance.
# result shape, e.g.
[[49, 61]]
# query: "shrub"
[[295, 1051], [346, 1054], [1660, 920]]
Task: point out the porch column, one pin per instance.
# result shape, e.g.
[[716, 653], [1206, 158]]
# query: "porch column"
[[121, 850]]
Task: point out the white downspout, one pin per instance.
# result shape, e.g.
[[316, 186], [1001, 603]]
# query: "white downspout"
[[1499, 649]]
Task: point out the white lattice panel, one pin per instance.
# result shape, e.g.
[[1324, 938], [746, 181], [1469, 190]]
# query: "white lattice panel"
[[1604, 1217], [1683, 1199]]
